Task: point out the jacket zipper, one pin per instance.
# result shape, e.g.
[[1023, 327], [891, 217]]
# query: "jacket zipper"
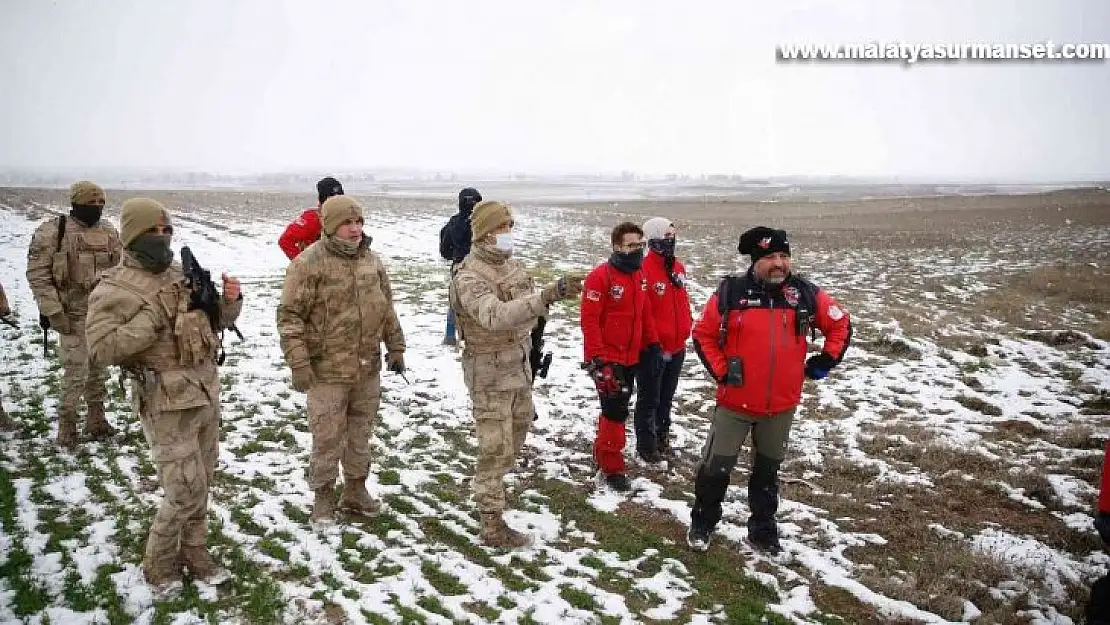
[[771, 367]]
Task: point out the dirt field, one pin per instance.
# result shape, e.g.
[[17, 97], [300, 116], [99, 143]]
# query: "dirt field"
[[946, 472]]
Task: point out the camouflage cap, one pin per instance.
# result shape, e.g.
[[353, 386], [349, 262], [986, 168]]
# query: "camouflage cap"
[[487, 217], [336, 210], [85, 192], [139, 215]]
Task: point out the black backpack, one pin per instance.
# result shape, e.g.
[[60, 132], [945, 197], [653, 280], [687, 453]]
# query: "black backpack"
[[446, 245]]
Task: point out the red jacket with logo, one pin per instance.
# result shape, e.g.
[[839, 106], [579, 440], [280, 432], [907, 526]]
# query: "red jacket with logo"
[[300, 233], [767, 331], [670, 304], [616, 320]]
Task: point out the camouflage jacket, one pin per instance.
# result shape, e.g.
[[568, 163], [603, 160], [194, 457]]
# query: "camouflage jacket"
[[336, 311], [139, 320], [61, 277], [497, 306]]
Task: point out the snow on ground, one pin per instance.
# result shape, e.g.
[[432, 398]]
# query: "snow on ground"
[[73, 527]]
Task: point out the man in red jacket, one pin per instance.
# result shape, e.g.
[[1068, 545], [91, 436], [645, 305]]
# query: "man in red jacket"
[[616, 328], [752, 339], [305, 230], [657, 376]]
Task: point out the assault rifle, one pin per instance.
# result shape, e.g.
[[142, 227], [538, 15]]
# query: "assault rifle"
[[539, 361], [203, 294]]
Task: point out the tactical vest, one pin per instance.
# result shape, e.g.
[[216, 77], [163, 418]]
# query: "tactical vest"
[[186, 340], [79, 258], [513, 284]]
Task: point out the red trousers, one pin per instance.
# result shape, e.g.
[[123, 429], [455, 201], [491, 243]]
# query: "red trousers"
[[611, 437]]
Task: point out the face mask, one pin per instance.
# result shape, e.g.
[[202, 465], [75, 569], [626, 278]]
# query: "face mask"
[[152, 251], [504, 242], [627, 262], [87, 214], [663, 247], [344, 247]]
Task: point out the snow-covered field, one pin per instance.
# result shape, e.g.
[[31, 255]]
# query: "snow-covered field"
[[945, 473]]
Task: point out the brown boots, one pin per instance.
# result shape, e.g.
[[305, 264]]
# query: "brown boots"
[[323, 508], [496, 533], [201, 566], [357, 500], [67, 431], [97, 427]]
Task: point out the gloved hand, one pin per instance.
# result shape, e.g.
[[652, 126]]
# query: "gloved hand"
[[819, 365], [605, 378], [550, 293], [573, 285], [60, 323], [1102, 524], [303, 378], [395, 362]]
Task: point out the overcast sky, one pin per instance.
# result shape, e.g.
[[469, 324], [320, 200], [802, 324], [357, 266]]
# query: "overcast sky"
[[681, 86]]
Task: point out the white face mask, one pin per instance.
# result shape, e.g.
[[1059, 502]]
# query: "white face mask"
[[504, 242]]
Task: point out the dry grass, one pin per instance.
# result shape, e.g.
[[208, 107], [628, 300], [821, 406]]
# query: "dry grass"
[[1040, 298]]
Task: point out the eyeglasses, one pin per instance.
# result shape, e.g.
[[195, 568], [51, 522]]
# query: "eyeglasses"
[[632, 247]]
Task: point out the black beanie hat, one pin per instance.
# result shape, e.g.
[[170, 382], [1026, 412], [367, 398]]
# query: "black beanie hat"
[[328, 187], [468, 197], [761, 241]]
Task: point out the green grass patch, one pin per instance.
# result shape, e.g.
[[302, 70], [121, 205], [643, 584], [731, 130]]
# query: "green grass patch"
[[441, 580]]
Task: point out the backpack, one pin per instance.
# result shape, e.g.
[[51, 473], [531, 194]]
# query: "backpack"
[[446, 244], [804, 309]]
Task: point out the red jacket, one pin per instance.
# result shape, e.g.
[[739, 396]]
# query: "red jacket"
[[765, 332], [300, 233], [670, 304], [615, 320]]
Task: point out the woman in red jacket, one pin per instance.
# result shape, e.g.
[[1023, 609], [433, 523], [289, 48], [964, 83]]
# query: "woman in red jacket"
[[616, 328], [752, 339], [657, 375]]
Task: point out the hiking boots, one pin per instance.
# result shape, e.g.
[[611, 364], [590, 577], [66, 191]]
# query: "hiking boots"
[[765, 539], [496, 533], [164, 577], [6, 423], [97, 427], [617, 482], [698, 538], [67, 432], [357, 500], [200, 565], [654, 461], [323, 509]]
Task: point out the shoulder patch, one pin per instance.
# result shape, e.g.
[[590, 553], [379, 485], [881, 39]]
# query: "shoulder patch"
[[593, 296], [835, 313]]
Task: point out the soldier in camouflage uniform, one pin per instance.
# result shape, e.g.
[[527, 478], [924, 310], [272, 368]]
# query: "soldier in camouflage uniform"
[[336, 311], [140, 318], [6, 423], [497, 306], [67, 254]]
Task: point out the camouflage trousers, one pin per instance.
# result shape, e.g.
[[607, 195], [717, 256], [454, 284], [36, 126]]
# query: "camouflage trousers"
[[501, 419], [77, 379], [340, 417], [185, 445]]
